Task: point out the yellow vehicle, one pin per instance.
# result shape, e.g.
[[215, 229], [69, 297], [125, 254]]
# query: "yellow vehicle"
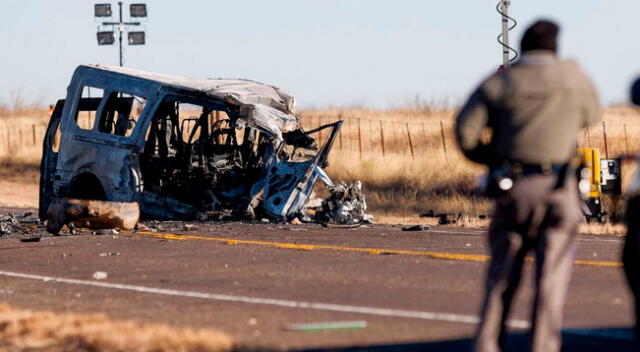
[[603, 178]]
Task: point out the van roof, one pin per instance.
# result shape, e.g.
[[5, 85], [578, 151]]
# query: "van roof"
[[232, 91]]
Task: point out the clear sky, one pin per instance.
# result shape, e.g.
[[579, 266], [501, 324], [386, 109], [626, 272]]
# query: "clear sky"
[[342, 52]]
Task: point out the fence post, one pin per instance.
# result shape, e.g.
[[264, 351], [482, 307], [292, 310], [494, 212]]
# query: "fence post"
[[319, 132], [426, 138], [589, 136], [382, 138], [350, 129], [604, 136], [409, 137], [626, 141], [33, 133], [359, 139], [340, 132], [444, 143], [371, 143]]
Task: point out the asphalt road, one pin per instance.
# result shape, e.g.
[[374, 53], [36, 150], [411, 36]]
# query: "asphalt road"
[[415, 290]]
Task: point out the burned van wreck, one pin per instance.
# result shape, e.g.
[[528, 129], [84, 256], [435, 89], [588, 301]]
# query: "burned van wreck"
[[186, 148]]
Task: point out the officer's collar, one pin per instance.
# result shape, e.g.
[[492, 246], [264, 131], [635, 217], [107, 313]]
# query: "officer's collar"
[[538, 57]]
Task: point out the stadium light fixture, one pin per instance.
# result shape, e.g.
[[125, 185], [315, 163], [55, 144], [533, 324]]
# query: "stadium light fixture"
[[106, 38], [138, 10], [102, 10], [136, 38]]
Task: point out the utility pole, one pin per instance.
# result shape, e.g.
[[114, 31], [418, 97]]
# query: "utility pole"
[[505, 32], [503, 38]]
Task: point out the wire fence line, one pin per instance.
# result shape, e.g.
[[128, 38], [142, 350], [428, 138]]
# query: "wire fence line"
[[413, 138], [367, 137]]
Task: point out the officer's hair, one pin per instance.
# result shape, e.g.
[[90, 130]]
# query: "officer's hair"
[[542, 35]]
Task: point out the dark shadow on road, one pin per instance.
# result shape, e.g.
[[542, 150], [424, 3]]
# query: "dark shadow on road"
[[574, 340]]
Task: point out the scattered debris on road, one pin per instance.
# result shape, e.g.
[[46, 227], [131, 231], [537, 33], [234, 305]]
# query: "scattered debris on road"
[[416, 228], [105, 232], [189, 227], [110, 254], [30, 239], [443, 218], [100, 275], [448, 218], [10, 225], [345, 205]]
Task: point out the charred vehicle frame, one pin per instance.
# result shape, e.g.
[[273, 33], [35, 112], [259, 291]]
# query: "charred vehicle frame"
[[181, 148]]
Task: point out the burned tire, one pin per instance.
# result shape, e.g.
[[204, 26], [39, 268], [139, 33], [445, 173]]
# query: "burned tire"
[[86, 186]]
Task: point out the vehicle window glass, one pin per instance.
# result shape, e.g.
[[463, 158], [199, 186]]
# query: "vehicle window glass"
[[87, 105], [120, 113]]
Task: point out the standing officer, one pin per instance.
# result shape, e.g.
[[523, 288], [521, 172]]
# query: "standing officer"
[[534, 110], [631, 252]]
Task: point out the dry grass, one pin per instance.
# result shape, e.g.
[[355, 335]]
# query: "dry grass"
[[400, 185], [24, 330], [603, 229], [16, 169]]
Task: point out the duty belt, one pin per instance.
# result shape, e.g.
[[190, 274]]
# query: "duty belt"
[[536, 169]]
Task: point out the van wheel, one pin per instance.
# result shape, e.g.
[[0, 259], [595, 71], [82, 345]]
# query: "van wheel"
[[87, 186]]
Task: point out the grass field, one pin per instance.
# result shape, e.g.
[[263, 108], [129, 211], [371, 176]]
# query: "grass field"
[[36, 331]]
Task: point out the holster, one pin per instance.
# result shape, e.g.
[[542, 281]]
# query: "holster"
[[495, 177]]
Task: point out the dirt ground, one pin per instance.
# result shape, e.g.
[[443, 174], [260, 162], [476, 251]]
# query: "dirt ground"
[[18, 194]]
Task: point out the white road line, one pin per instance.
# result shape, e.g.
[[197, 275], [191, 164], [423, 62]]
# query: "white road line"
[[386, 312]]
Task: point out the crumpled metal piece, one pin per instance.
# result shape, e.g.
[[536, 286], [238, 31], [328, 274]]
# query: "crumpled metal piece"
[[267, 119], [93, 214], [11, 225], [345, 205]]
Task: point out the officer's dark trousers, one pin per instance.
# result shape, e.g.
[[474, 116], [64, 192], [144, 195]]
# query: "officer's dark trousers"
[[631, 255], [541, 216]]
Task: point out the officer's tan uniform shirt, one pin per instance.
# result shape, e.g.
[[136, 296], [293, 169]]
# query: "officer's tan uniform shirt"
[[535, 110]]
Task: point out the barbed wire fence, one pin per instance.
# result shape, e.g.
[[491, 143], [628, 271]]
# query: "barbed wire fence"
[[387, 138], [372, 138]]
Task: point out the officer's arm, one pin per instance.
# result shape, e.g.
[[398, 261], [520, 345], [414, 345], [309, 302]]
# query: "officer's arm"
[[470, 123]]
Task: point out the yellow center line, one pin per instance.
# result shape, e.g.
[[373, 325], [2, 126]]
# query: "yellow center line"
[[308, 247]]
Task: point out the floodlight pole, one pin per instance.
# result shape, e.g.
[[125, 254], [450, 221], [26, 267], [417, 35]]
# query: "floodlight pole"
[[121, 28]]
